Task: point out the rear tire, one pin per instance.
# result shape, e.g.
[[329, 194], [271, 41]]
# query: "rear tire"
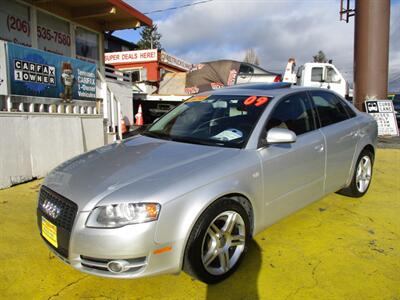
[[218, 242], [362, 176]]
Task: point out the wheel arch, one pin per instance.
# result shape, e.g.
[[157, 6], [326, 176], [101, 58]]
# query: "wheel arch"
[[242, 199], [350, 189], [245, 203], [367, 146]]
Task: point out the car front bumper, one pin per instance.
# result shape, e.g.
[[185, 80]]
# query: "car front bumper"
[[91, 250]]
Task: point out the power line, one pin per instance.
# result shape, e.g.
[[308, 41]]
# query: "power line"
[[177, 7]]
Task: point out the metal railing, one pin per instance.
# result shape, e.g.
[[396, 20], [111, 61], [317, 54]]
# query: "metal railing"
[[110, 107], [32, 104], [114, 74]]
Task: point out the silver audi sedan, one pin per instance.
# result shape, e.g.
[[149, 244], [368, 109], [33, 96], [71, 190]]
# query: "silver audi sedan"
[[190, 191]]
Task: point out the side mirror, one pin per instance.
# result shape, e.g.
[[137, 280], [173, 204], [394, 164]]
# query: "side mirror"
[[280, 136]]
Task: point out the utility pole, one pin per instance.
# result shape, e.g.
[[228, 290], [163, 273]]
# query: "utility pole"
[[371, 50]]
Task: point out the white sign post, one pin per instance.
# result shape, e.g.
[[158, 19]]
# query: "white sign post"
[[3, 69], [385, 116]]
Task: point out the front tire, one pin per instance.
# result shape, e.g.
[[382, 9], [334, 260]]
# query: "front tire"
[[361, 177], [218, 242]]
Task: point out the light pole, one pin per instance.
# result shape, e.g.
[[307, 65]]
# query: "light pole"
[[371, 50]]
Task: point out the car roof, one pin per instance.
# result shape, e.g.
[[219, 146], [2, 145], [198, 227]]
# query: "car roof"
[[261, 89]]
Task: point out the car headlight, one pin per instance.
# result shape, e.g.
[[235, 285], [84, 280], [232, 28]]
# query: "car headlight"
[[117, 215]]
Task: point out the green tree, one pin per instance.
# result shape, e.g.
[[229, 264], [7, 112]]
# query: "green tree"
[[150, 38], [320, 57]]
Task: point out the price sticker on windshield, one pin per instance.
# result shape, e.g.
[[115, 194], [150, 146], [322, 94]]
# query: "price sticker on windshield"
[[256, 101]]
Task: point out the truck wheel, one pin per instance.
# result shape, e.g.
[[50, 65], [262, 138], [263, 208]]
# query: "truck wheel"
[[362, 176], [218, 242]]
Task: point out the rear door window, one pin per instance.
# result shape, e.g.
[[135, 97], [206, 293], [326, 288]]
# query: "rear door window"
[[329, 108], [347, 108]]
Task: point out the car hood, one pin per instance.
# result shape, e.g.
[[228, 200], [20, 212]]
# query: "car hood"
[[134, 170]]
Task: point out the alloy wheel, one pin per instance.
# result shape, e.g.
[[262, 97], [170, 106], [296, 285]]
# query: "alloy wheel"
[[363, 175], [223, 243]]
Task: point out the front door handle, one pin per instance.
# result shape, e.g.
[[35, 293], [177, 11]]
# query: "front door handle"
[[319, 148]]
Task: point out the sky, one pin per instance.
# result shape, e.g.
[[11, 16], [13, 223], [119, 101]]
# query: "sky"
[[275, 29]]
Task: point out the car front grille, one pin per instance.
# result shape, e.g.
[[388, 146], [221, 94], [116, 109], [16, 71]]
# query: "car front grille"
[[68, 208], [64, 221]]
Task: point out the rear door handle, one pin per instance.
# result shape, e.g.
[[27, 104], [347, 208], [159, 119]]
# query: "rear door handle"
[[319, 148]]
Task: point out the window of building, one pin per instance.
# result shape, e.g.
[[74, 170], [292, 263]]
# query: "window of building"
[[53, 34], [15, 23], [143, 74], [87, 45], [135, 75], [316, 74], [294, 113], [329, 107]]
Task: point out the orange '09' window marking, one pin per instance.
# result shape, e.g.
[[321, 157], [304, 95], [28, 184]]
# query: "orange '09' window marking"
[[256, 101], [262, 100], [250, 100]]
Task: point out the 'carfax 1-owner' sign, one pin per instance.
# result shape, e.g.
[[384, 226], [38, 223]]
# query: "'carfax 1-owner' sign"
[[43, 74]]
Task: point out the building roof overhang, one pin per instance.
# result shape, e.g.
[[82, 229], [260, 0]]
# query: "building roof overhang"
[[104, 15]]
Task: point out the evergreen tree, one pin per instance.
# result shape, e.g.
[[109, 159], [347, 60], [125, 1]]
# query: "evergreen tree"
[[320, 57], [150, 38]]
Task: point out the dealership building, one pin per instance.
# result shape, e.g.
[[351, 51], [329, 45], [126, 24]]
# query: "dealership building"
[[55, 98]]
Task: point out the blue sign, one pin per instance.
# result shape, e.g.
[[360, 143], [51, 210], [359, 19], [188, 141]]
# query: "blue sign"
[[43, 74]]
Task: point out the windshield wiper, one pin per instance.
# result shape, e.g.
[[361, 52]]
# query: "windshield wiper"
[[190, 140], [197, 141]]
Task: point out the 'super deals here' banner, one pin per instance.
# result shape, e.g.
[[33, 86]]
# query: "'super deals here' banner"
[[43, 74]]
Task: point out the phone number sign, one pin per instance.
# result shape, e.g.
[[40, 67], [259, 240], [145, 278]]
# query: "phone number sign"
[[53, 35], [15, 23], [383, 113]]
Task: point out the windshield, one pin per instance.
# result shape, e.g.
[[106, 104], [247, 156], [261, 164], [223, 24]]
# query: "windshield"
[[216, 120]]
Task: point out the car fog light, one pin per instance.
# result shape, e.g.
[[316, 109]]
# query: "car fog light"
[[117, 266]]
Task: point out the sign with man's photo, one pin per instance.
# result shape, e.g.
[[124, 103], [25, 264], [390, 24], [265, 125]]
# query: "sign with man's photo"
[[42, 74]]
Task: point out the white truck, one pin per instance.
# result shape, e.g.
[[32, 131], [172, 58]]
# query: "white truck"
[[171, 91], [313, 74]]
